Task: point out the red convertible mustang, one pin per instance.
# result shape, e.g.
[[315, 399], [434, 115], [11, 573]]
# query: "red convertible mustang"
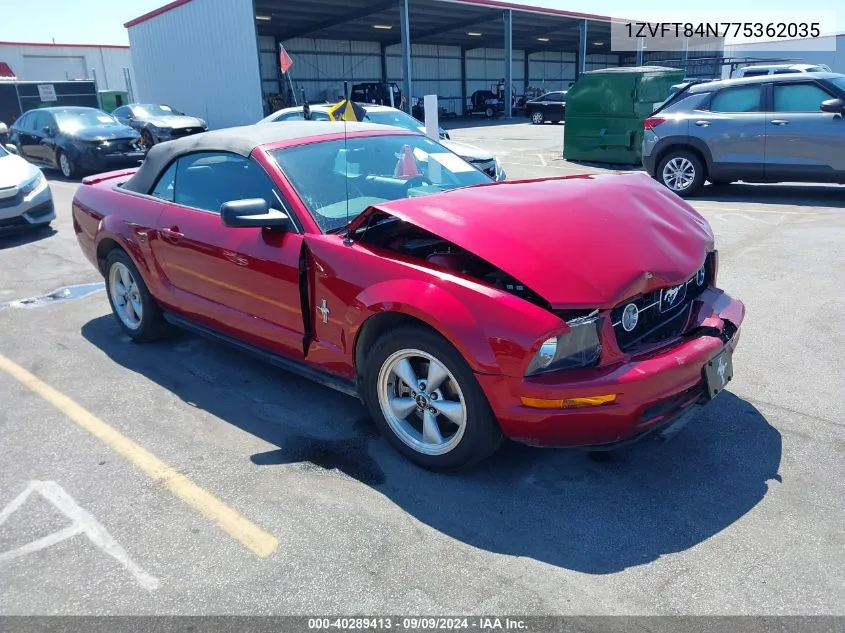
[[577, 311]]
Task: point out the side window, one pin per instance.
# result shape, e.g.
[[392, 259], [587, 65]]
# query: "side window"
[[40, 121], [799, 98], [24, 122], [557, 97], [121, 113], [319, 116], [166, 186], [755, 73], [786, 71], [208, 179], [740, 99]]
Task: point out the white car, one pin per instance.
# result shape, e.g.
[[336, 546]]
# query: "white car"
[[780, 69], [385, 115], [25, 197]]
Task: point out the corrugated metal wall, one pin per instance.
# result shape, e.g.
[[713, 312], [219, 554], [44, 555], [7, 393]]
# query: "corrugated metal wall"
[[202, 58], [321, 66], [33, 62]]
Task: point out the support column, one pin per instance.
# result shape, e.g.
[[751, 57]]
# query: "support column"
[[582, 49], [405, 33], [463, 80], [686, 55], [526, 70], [508, 19], [640, 44], [383, 63]]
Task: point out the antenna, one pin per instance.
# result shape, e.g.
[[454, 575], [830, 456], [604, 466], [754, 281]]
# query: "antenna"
[[345, 147]]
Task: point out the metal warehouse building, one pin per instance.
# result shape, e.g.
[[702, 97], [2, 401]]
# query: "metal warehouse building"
[[219, 59], [58, 62]]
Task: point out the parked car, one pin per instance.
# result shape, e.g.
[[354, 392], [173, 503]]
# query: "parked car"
[[775, 128], [158, 122], [75, 139], [479, 158], [780, 69], [460, 310], [25, 197], [548, 107]]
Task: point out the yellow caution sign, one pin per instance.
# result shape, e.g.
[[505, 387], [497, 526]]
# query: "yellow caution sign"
[[346, 110]]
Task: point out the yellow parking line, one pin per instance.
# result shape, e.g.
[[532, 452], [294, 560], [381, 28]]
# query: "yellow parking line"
[[254, 538]]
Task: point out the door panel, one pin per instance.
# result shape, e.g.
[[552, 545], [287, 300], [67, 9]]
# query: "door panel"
[[244, 281], [802, 142], [734, 129]]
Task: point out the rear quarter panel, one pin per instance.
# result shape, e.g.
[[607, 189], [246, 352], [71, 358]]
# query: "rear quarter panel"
[[102, 213], [496, 332]]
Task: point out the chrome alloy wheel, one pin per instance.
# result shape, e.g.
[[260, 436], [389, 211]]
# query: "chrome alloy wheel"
[[422, 402], [126, 297], [678, 173], [537, 118]]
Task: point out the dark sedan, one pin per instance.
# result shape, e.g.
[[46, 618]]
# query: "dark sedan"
[[549, 107], [157, 123], [75, 140]]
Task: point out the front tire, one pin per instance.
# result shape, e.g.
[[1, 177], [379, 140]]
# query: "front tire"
[[66, 165], [134, 308], [426, 401], [682, 172], [536, 117], [147, 139]]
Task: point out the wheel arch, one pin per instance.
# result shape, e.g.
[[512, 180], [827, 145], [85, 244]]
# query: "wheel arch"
[[689, 144]]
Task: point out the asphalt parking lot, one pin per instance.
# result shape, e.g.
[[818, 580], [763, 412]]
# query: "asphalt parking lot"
[[182, 477]]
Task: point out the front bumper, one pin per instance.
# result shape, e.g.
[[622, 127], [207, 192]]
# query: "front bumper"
[[651, 390], [26, 211]]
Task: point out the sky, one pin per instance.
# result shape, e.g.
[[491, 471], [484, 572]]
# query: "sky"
[[101, 21]]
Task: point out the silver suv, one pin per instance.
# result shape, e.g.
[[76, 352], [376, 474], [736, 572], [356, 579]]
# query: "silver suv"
[[775, 128]]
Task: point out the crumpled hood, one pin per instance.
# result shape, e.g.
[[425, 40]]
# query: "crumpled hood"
[[467, 152], [588, 241], [175, 122], [104, 133], [15, 171]]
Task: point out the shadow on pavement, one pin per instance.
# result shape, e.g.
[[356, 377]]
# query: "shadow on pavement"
[[801, 195], [18, 237], [554, 506]]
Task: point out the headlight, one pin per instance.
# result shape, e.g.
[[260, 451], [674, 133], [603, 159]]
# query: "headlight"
[[33, 184], [580, 347]]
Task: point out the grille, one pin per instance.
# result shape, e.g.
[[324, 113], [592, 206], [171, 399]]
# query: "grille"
[[662, 314], [184, 131], [487, 166]]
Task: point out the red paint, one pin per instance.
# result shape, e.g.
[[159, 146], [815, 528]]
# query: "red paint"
[[155, 12], [53, 45], [6, 71], [586, 241]]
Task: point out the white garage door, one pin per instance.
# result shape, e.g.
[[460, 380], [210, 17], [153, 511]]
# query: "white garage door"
[[53, 68]]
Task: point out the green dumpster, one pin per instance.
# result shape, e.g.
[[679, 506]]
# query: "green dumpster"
[[110, 100], [605, 110]]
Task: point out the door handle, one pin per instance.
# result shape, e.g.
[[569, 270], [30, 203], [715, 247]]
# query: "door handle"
[[779, 122], [172, 234], [702, 123]]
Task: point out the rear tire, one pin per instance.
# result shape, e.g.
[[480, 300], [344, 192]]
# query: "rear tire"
[[489, 112], [445, 428], [134, 308], [682, 172]]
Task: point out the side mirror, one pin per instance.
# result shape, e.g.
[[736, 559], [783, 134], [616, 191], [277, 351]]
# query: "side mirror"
[[837, 106], [11, 149], [253, 212]]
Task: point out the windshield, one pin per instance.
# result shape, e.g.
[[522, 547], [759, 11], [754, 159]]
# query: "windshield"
[[839, 82], [149, 110], [338, 180], [396, 118], [72, 120]]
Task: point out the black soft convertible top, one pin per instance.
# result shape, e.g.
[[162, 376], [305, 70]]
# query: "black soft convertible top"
[[238, 140]]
